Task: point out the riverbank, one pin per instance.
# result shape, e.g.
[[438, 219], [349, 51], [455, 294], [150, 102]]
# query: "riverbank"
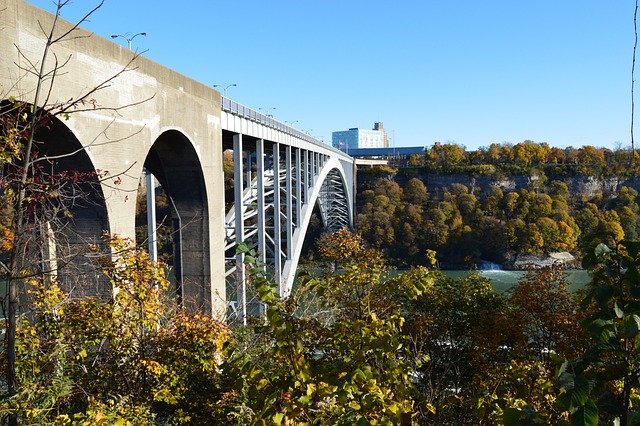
[[523, 262], [503, 280]]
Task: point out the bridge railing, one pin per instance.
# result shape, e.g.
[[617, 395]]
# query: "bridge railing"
[[238, 109]]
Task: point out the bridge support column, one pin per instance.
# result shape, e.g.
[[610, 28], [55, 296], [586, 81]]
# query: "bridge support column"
[[307, 175], [240, 276], [277, 235], [262, 162], [316, 169], [288, 201], [298, 178], [262, 246], [151, 215]]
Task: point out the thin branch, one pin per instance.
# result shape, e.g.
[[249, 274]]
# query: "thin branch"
[[633, 68], [77, 24], [71, 105], [75, 104], [94, 142]]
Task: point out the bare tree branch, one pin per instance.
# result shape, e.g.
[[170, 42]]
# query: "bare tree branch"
[[42, 198], [633, 68]]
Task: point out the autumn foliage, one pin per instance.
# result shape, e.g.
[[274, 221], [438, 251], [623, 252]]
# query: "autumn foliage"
[[358, 345], [134, 358]]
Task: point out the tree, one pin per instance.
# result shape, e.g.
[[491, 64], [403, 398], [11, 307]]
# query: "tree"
[[415, 160], [549, 232], [547, 314], [530, 152], [492, 154], [340, 364], [467, 205], [134, 358], [436, 229], [592, 158], [446, 156], [340, 246], [511, 200], [375, 222], [453, 335], [533, 240], [409, 222], [609, 230], [556, 156], [603, 382], [629, 223], [492, 201], [38, 194], [628, 197], [389, 189], [541, 206], [559, 188], [491, 235], [587, 219], [415, 192], [568, 236]]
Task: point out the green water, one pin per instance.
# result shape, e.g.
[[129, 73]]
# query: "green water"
[[504, 280]]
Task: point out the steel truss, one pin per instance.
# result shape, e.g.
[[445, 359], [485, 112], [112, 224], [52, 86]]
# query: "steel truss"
[[277, 186]]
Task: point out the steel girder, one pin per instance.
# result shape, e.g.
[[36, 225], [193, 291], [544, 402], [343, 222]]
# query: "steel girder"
[[277, 186]]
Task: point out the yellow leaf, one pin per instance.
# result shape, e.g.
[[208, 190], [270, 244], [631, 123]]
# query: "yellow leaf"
[[311, 388]]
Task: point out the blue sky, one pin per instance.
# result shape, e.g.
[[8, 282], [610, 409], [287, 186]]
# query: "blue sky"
[[463, 71]]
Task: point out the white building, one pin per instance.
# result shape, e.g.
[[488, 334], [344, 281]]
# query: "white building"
[[360, 138]]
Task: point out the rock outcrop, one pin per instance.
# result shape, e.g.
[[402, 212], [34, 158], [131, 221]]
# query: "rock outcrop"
[[537, 261]]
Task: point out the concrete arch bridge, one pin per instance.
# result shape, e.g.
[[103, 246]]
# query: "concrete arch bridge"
[[150, 119]]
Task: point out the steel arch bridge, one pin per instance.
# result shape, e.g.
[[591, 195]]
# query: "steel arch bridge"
[[280, 174]]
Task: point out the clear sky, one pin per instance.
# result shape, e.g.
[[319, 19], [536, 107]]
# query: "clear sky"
[[465, 71]]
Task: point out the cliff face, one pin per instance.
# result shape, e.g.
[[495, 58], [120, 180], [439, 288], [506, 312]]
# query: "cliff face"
[[486, 224], [587, 185]]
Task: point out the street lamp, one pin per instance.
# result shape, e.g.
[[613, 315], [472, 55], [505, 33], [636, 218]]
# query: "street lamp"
[[291, 123], [128, 38], [266, 111], [224, 88]]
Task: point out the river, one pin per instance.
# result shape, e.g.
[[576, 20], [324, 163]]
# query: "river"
[[504, 280], [500, 279]]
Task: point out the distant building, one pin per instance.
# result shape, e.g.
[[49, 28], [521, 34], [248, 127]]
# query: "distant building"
[[355, 138]]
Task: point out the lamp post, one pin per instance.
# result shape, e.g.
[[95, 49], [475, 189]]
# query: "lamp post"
[[266, 111], [291, 123], [224, 88], [129, 39]]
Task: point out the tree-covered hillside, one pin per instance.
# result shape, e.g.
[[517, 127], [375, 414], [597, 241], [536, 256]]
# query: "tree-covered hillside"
[[497, 202]]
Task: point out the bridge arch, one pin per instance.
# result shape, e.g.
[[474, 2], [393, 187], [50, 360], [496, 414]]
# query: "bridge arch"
[[137, 102], [74, 214], [334, 200], [280, 174], [331, 193], [276, 186], [174, 162]]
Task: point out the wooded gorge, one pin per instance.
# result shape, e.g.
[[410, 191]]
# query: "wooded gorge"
[[498, 202]]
